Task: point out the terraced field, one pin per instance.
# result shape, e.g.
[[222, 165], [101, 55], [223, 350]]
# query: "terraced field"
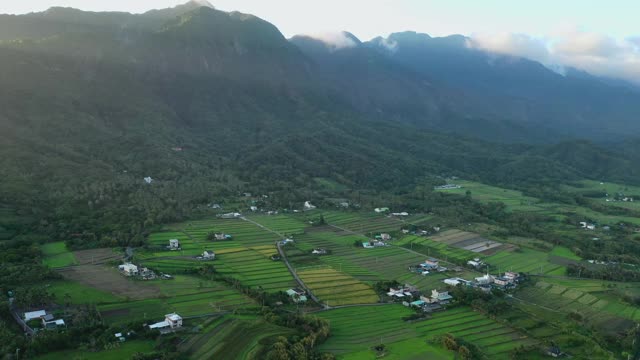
[[527, 261], [587, 298], [230, 338], [243, 232], [466, 240], [336, 288], [252, 267], [185, 295], [362, 223], [438, 249], [282, 224], [370, 265], [245, 257], [357, 329]]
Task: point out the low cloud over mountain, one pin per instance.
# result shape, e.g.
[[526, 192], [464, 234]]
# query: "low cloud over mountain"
[[598, 54]]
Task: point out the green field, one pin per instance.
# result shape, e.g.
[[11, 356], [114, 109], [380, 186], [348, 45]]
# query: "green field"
[[513, 199], [56, 255], [370, 265], [525, 260], [362, 223], [592, 298], [336, 288], [123, 351], [438, 249], [77, 293], [516, 201], [356, 330], [245, 257], [565, 253], [231, 337], [186, 295]]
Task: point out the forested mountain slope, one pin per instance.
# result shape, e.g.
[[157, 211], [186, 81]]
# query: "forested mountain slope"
[[209, 103]]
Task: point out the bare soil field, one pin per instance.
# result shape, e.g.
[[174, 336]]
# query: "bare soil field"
[[468, 241], [109, 279], [96, 256]]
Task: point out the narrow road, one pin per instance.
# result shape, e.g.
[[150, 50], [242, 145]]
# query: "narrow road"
[[297, 278], [21, 322], [261, 226], [283, 256]]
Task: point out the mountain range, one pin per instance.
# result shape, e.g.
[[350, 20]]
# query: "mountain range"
[[205, 101]]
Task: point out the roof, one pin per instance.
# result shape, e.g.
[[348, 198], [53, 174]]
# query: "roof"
[[159, 325], [48, 317], [173, 317], [34, 315]]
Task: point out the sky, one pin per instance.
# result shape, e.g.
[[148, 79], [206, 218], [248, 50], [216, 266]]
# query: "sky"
[[599, 36]]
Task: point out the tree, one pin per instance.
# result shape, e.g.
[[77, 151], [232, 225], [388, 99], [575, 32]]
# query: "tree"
[[464, 353]]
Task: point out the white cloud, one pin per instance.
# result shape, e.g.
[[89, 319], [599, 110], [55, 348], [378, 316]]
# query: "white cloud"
[[512, 44], [335, 40], [595, 53], [390, 45]]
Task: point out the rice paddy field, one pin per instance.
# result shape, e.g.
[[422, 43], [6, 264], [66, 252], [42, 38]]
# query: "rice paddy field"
[[356, 330], [123, 351], [516, 201], [56, 255], [438, 249], [371, 265], [513, 199], [591, 298], [527, 261], [335, 288], [246, 257], [186, 295], [362, 223], [590, 186], [231, 337], [77, 293]]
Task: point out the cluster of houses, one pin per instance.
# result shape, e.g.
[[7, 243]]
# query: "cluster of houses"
[[296, 295], [410, 296], [429, 266], [132, 270], [171, 323], [48, 321], [508, 280]]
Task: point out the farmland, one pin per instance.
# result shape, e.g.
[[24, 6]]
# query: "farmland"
[[57, 255], [589, 297], [356, 330], [344, 276], [122, 351], [336, 288], [437, 249], [383, 263], [516, 201], [525, 260], [187, 295], [362, 223], [231, 337], [245, 257]]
